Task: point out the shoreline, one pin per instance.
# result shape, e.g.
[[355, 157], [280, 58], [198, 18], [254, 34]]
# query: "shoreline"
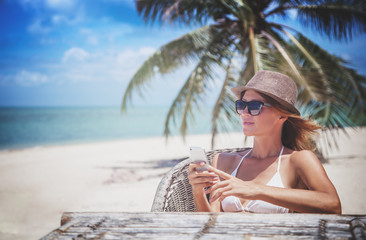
[[38, 184], [21, 147], [171, 139]]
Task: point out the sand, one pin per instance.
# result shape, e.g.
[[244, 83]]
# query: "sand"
[[38, 184]]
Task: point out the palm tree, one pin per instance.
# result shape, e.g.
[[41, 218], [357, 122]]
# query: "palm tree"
[[236, 38]]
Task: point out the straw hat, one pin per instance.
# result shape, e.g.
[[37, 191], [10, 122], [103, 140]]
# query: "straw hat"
[[275, 85]]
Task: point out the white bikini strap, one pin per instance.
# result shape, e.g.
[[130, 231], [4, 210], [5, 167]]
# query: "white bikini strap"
[[279, 159], [236, 169]]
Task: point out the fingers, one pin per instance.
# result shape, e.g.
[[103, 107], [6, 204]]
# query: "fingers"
[[209, 180], [221, 193], [196, 165], [201, 179], [203, 186], [219, 185], [220, 173]]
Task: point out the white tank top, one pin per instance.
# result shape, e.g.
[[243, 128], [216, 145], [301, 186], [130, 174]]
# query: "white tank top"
[[233, 204]]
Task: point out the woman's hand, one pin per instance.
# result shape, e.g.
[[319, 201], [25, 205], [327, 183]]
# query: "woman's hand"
[[201, 179], [232, 186]]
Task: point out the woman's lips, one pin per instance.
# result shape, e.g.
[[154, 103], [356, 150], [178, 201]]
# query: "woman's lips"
[[247, 123]]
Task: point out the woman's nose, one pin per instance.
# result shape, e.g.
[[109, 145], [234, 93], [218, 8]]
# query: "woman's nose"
[[244, 112]]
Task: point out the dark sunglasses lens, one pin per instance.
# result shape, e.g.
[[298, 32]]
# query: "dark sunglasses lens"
[[254, 108], [239, 106]]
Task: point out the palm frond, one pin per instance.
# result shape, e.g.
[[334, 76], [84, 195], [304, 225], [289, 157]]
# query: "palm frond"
[[169, 57], [339, 77], [346, 107], [330, 91], [223, 113], [191, 94], [336, 19], [268, 57], [242, 10], [325, 92], [341, 94], [187, 12], [292, 65]]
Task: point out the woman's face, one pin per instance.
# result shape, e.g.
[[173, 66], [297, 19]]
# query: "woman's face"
[[265, 123]]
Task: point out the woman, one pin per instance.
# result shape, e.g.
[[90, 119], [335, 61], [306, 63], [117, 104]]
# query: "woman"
[[280, 174]]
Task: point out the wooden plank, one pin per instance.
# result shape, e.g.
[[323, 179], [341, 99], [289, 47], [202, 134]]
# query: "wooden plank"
[[208, 226], [166, 218]]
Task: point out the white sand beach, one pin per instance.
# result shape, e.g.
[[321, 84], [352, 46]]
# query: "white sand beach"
[[38, 184]]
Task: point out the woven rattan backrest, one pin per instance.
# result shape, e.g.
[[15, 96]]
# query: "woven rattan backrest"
[[174, 193]]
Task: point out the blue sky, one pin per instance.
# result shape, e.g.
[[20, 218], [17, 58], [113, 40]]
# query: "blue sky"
[[83, 53]]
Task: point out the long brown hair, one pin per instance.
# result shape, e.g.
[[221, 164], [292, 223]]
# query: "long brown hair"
[[297, 133]]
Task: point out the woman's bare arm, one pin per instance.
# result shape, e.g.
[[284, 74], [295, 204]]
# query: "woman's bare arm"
[[320, 197]]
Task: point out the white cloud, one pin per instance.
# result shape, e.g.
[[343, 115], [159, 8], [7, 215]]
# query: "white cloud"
[[50, 4], [128, 3], [86, 31], [132, 59], [27, 79], [48, 41], [146, 51], [57, 19], [75, 54], [48, 14], [79, 65], [69, 19], [107, 32], [93, 40], [46, 25], [63, 19], [91, 37], [38, 27], [60, 4], [346, 56], [29, 3], [4, 79], [292, 13]]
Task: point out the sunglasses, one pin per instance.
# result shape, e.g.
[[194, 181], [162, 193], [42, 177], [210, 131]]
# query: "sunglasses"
[[254, 107]]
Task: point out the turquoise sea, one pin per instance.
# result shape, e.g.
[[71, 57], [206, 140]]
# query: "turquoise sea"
[[22, 127]]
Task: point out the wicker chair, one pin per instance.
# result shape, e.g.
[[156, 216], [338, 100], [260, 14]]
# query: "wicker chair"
[[174, 193]]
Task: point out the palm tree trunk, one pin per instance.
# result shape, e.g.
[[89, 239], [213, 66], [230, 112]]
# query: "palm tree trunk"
[[254, 50]]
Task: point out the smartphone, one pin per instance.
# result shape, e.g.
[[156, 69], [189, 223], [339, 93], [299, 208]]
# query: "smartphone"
[[198, 154]]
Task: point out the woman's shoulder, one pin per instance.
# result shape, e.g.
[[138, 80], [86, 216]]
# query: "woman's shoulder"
[[304, 158], [227, 161], [302, 154]]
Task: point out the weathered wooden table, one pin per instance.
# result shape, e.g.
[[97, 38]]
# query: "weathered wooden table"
[[149, 225]]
